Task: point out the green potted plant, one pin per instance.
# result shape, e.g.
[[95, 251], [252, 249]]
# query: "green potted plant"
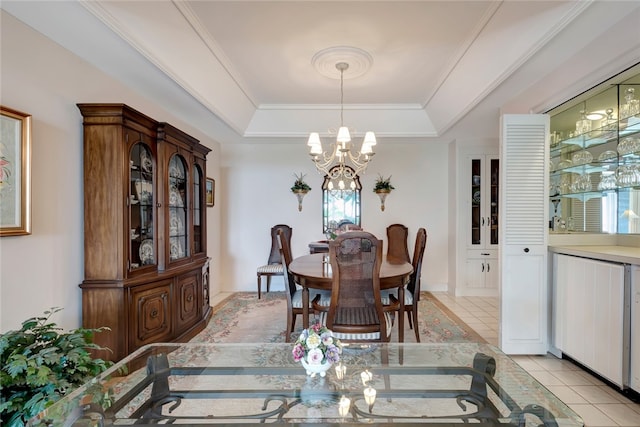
[[382, 188], [383, 185], [41, 364], [300, 188]]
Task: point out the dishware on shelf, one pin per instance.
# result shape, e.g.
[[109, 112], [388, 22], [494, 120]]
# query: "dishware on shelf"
[[175, 199], [582, 157], [145, 161], [146, 252]]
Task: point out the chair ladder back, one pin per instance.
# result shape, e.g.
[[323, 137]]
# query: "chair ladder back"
[[285, 254], [397, 235], [356, 305], [418, 253], [274, 254]]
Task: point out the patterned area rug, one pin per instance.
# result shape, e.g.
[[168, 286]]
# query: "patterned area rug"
[[242, 317]]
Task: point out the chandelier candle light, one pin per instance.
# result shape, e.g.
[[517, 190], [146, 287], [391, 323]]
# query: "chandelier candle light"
[[334, 162]]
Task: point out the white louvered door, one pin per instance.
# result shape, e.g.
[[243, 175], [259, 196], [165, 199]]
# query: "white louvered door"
[[523, 233]]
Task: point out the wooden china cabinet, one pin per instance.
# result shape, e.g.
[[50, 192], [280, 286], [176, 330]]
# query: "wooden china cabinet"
[[145, 261]]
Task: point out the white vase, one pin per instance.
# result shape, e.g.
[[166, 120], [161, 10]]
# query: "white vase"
[[312, 370]]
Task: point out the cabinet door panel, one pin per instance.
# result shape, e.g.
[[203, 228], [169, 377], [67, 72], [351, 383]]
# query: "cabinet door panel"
[[188, 301], [151, 313]]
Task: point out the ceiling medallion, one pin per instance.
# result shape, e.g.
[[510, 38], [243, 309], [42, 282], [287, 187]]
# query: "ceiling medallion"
[[325, 62]]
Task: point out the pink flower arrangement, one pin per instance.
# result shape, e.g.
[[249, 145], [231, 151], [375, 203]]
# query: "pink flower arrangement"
[[316, 346]]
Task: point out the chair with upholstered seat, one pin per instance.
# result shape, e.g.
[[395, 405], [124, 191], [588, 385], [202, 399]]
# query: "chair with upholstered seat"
[[397, 235], [356, 312], [273, 267], [412, 292], [292, 291]]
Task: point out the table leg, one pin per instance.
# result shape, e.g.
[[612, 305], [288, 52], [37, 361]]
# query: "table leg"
[[305, 307], [401, 315]]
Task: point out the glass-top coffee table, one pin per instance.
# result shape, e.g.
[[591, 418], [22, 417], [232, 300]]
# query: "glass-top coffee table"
[[380, 384]]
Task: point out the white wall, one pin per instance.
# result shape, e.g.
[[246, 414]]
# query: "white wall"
[[44, 269], [257, 196]]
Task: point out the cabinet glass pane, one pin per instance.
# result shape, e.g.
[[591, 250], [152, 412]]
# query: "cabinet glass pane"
[[494, 175], [141, 207], [594, 181], [178, 224], [198, 210], [476, 198]]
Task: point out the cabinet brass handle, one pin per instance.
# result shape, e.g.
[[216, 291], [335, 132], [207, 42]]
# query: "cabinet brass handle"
[[190, 298], [154, 314]]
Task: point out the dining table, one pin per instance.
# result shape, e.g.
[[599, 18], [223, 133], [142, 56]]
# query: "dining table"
[[313, 271]]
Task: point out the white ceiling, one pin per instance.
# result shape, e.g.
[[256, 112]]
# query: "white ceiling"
[[242, 70]]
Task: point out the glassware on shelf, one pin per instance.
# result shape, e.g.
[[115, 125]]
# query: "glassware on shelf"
[[563, 164], [582, 157], [607, 181], [583, 125], [581, 184], [608, 156], [631, 107], [629, 145], [627, 176], [609, 124]]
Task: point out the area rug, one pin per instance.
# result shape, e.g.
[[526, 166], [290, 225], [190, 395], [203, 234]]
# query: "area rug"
[[242, 317]]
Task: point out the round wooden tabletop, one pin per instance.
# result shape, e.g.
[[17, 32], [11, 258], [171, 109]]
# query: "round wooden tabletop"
[[311, 272]]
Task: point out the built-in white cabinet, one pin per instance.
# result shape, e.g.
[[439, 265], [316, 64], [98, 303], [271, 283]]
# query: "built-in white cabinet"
[[589, 314], [634, 377], [479, 201], [523, 237]]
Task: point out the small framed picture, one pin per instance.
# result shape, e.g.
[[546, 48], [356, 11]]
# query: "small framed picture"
[[211, 191], [15, 172]]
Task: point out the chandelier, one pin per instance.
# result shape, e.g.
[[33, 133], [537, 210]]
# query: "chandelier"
[[340, 163]]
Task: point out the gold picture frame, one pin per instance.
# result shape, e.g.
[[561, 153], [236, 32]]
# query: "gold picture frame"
[[15, 172], [210, 191]]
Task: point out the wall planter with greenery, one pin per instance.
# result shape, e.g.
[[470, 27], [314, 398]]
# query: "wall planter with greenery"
[[382, 188], [41, 364], [300, 189]]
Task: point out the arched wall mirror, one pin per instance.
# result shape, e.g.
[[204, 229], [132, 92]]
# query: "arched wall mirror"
[[340, 201]]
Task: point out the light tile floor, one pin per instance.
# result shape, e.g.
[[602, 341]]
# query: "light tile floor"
[[598, 404]]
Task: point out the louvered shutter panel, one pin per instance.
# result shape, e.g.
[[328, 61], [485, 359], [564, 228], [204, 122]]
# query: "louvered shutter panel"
[[523, 241]]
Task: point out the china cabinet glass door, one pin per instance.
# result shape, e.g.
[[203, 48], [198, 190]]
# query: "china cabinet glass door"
[[198, 210], [141, 207], [178, 246], [483, 195]]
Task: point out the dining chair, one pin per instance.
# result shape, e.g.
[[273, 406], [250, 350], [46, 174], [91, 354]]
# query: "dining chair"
[[292, 290], [412, 292], [356, 312], [397, 235], [273, 267]]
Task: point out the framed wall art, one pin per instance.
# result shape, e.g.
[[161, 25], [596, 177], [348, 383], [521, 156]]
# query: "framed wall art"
[[15, 172], [210, 191]]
